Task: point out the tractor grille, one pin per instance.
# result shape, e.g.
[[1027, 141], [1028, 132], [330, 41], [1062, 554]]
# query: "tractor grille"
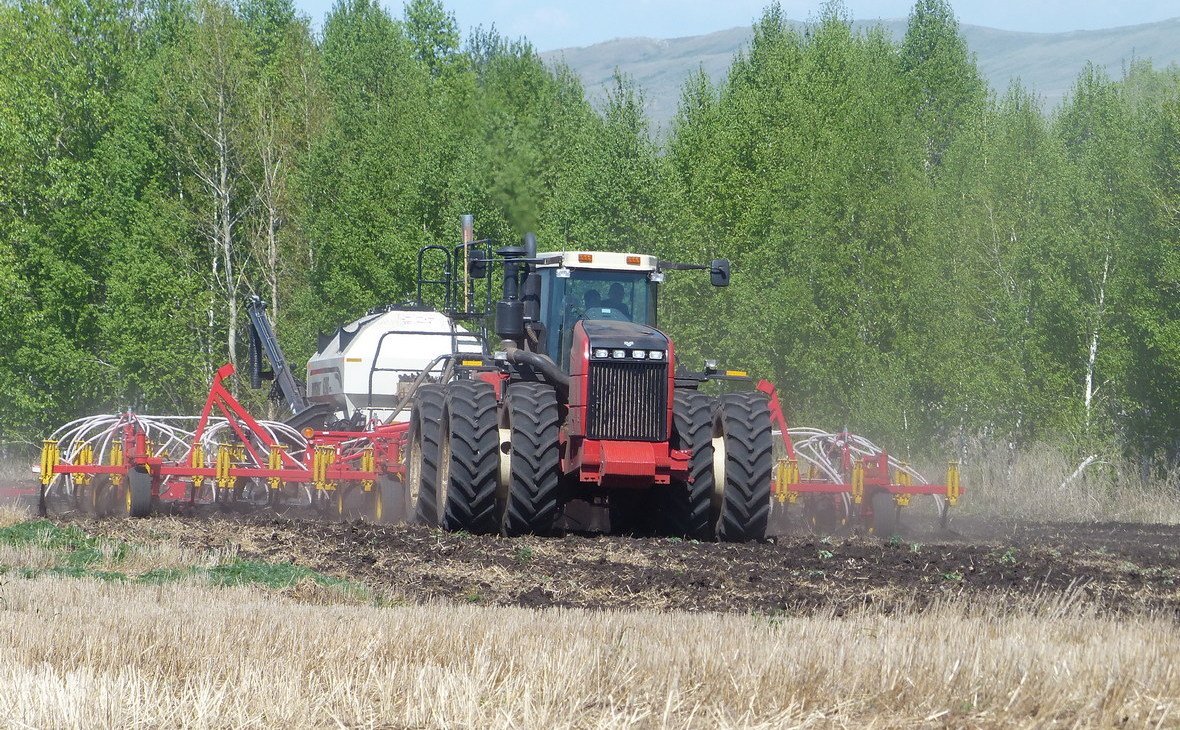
[[628, 401]]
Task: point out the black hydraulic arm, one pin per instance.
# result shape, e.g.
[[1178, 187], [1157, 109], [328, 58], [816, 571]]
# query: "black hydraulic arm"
[[264, 342]]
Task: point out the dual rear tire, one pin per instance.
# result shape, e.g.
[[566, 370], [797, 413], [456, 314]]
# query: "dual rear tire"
[[463, 444], [532, 420], [727, 495], [469, 461]]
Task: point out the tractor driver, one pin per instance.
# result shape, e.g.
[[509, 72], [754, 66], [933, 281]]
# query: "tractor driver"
[[614, 300], [592, 299]]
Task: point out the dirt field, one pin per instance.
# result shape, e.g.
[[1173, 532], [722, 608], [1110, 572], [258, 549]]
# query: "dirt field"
[[229, 620], [1117, 567]]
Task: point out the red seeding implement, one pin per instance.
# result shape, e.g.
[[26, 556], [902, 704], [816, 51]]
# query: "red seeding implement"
[[128, 463], [848, 481], [580, 417]]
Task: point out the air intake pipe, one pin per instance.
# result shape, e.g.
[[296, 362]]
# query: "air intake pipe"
[[541, 363], [510, 313]]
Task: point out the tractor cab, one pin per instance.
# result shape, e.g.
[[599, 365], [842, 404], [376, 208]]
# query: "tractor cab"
[[612, 291]]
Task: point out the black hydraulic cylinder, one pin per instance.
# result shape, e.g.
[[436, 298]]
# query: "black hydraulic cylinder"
[[262, 337]]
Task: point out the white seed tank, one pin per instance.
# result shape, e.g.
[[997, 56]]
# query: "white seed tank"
[[370, 364]]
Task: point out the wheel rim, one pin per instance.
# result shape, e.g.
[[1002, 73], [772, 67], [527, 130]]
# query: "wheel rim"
[[414, 477], [718, 497], [444, 473]]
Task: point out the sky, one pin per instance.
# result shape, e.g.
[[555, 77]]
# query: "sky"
[[550, 24]]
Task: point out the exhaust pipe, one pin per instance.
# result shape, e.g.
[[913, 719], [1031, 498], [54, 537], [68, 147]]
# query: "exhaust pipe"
[[468, 222]]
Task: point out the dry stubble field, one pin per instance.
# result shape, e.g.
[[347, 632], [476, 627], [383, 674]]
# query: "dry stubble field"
[[229, 620]]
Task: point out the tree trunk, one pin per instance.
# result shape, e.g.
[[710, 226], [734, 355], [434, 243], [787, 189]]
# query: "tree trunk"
[[225, 229], [1094, 332]]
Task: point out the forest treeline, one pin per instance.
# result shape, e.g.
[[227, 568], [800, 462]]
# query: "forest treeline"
[[915, 256]]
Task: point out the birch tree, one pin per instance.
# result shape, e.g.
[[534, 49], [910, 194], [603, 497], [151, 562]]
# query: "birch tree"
[[205, 99], [1108, 211], [280, 113]]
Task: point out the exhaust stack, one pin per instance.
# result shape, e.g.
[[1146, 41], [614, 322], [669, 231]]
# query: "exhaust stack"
[[468, 222]]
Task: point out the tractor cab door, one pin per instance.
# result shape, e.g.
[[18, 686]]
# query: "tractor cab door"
[[570, 295]]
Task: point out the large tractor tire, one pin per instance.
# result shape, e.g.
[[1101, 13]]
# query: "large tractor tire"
[[743, 459], [470, 461], [687, 504], [534, 472], [425, 450], [138, 493]]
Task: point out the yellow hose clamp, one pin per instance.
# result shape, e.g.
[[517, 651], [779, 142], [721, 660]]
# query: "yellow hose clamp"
[[116, 459], [858, 482], [225, 454], [952, 483], [368, 464], [48, 460], [322, 458], [84, 456], [274, 462], [787, 475], [196, 460], [902, 477]]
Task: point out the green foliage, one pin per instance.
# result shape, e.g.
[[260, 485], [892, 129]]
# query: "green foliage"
[[74, 553], [946, 87], [912, 257]]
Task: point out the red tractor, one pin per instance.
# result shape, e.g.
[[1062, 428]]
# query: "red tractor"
[[582, 410]]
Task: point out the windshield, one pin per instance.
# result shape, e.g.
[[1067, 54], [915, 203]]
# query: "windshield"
[[627, 296]]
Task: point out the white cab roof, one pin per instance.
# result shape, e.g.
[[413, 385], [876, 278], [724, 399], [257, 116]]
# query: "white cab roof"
[[607, 260]]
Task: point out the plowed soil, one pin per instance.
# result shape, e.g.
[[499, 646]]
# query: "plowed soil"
[[1117, 567]]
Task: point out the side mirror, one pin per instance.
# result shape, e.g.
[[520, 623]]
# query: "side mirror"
[[719, 272]]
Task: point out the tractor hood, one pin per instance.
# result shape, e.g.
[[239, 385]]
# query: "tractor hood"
[[614, 333]]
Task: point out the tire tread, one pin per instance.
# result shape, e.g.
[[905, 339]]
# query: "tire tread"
[[472, 427], [532, 503], [743, 419]]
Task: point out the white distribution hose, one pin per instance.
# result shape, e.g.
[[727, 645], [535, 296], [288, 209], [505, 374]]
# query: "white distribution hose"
[[815, 447], [170, 439]]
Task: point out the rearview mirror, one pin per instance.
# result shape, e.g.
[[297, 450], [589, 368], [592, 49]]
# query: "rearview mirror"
[[719, 272]]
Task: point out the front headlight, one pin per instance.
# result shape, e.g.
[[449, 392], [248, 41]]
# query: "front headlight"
[[639, 354], [618, 354], [656, 354], [601, 352]]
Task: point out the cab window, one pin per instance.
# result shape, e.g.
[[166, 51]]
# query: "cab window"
[[623, 296]]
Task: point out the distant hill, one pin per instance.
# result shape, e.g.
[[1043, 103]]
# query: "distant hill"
[[1047, 63]]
